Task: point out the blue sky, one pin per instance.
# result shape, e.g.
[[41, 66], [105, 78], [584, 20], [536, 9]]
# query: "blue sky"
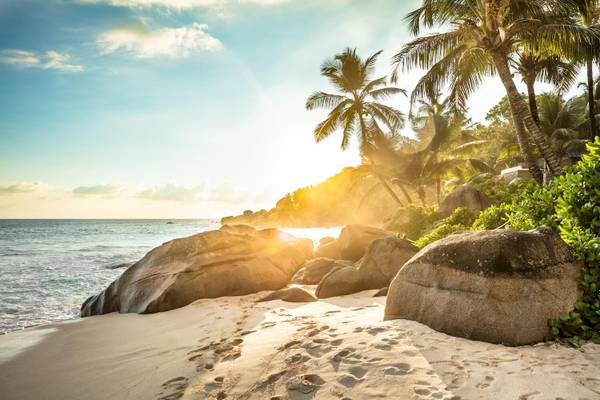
[[182, 108]]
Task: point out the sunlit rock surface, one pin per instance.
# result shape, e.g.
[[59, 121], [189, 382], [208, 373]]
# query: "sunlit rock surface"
[[464, 196], [228, 262], [497, 286], [383, 258]]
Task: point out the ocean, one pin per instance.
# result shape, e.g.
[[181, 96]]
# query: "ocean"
[[49, 267]]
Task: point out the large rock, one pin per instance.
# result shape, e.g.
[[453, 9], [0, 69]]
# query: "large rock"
[[314, 270], [383, 259], [464, 196], [354, 240], [227, 262], [497, 286]]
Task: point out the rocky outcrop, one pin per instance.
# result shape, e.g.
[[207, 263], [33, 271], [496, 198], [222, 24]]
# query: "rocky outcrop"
[[354, 240], [464, 196], [314, 270], [382, 260], [226, 262], [291, 295], [497, 286]]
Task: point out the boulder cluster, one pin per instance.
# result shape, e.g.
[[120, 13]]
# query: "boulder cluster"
[[497, 286]]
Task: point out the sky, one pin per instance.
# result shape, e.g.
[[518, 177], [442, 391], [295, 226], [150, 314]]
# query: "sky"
[[180, 108]]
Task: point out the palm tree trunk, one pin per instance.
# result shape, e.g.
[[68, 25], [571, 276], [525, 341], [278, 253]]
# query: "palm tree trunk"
[[422, 195], [405, 192], [384, 183], [522, 116], [533, 102], [523, 141], [591, 99], [363, 130]]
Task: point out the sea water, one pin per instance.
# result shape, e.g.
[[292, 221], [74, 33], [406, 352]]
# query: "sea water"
[[49, 267]]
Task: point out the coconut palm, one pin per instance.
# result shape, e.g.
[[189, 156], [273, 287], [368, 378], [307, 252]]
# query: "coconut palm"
[[356, 109], [561, 122], [587, 16], [433, 116], [483, 35], [545, 68]]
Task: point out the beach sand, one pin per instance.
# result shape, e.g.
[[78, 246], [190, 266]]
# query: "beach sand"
[[235, 348]]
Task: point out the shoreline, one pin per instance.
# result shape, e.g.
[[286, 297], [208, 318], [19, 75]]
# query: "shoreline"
[[240, 349]]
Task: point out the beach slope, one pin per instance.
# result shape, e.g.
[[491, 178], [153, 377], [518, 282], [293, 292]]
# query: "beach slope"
[[235, 348]]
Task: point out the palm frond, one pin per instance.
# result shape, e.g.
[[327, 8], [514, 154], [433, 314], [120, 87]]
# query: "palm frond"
[[394, 119], [384, 93], [323, 100], [324, 129]]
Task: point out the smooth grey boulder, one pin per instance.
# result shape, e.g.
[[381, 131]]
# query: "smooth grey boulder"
[[464, 196], [382, 260], [497, 286], [226, 262], [314, 270]]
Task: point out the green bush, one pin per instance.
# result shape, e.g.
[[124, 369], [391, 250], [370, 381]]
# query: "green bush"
[[461, 216], [438, 233], [460, 220], [570, 205], [491, 218], [412, 220]]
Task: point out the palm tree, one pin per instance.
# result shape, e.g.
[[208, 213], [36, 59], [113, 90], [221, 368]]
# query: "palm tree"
[[546, 68], [561, 122], [483, 36], [357, 109], [433, 115], [587, 16]]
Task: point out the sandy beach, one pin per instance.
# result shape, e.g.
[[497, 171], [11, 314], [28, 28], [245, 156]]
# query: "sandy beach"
[[235, 348]]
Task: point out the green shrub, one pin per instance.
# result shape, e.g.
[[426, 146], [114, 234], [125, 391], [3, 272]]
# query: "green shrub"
[[412, 220], [570, 205], [438, 233], [461, 216], [491, 218], [578, 213], [459, 220]]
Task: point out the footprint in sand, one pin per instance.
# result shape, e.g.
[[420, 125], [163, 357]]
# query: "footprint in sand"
[[486, 383], [225, 350], [358, 372], [376, 330], [296, 359], [175, 386], [529, 396], [290, 344], [348, 380], [305, 384], [382, 346], [271, 379], [398, 369], [342, 354]]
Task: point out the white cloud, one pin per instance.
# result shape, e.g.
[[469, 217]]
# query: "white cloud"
[[97, 190], [49, 60], [182, 4], [171, 192], [23, 187], [142, 42]]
